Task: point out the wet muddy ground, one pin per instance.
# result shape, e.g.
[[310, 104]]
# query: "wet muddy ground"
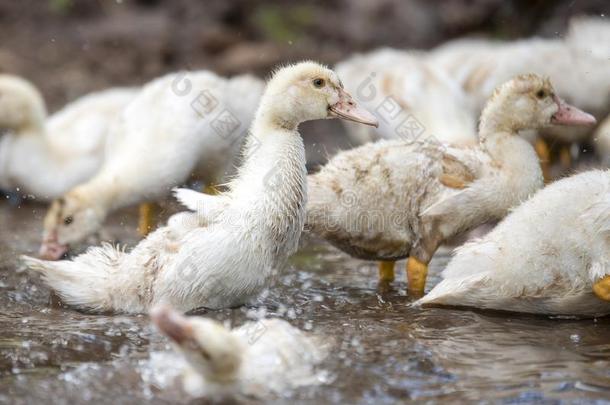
[[384, 350]]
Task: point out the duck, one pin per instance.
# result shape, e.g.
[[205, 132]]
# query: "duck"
[[408, 94], [259, 359], [181, 124], [601, 140], [578, 65], [550, 256], [390, 200], [231, 246], [44, 156]]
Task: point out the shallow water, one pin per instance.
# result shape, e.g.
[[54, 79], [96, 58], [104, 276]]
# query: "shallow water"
[[384, 350]]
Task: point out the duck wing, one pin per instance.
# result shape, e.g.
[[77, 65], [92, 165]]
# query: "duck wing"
[[204, 205], [455, 174], [459, 175]]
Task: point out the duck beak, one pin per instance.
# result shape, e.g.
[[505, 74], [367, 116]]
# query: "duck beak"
[[51, 249], [570, 115], [172, 324], [347, 109]]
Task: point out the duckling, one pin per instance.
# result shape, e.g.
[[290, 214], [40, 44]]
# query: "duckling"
[[45, 156], [578, 65], [551, 255], [409, 95], [178, 125], [233, 246], [257, 359], [394, 199]]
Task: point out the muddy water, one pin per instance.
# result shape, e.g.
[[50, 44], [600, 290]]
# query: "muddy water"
[[384, 350]]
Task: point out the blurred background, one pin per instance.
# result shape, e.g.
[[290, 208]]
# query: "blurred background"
[[71, 47]]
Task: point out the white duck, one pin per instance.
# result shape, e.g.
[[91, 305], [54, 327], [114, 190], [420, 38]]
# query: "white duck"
[[45, 156], [257, 359], [408, 95], [231, 249], [179, 124], [395, 199], [601, 139], [578, 65], [551, 255]]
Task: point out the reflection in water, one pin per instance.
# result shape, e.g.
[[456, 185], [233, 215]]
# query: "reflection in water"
[[384, 349]]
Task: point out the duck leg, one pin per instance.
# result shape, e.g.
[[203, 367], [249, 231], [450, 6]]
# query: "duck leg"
[[565, 157], [210, 189], [602, 288], [417, 272], [147, 220], [544, 154], [419, 258], [386, 271]]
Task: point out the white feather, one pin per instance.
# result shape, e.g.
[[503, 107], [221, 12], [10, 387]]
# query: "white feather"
[[543, 258]]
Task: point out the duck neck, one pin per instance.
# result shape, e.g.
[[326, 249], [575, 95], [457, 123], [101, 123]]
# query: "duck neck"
[[26, 158], [100, 194], [499, 132], [28, 121], [274, 116], [496, 119], [502, 146], [517, 164], [271, 185]]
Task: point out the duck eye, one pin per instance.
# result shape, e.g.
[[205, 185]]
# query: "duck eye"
[[68, 220], [541, 94], [318, 83]]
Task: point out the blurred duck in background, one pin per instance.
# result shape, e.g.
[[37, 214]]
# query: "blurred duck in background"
[[178, 125], [395, 199], [578, 65], [411, 98], [259, 358], [550, 256], [44, 156]]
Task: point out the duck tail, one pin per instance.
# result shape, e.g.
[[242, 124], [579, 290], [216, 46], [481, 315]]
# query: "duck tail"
[[84, 282], [465, 276], [451, 291]]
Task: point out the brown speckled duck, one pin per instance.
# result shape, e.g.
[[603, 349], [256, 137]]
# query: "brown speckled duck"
[[394, 199]]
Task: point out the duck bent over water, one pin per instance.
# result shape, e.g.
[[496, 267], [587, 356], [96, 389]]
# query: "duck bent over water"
[[268, 356], [551, 255]]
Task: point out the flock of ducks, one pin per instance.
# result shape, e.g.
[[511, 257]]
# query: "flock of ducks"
[[422, 175]]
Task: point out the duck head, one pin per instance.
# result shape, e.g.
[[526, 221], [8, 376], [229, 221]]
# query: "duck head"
[[70, 219], [529, 102], [21, 105], [209, 348], [309, 91]]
